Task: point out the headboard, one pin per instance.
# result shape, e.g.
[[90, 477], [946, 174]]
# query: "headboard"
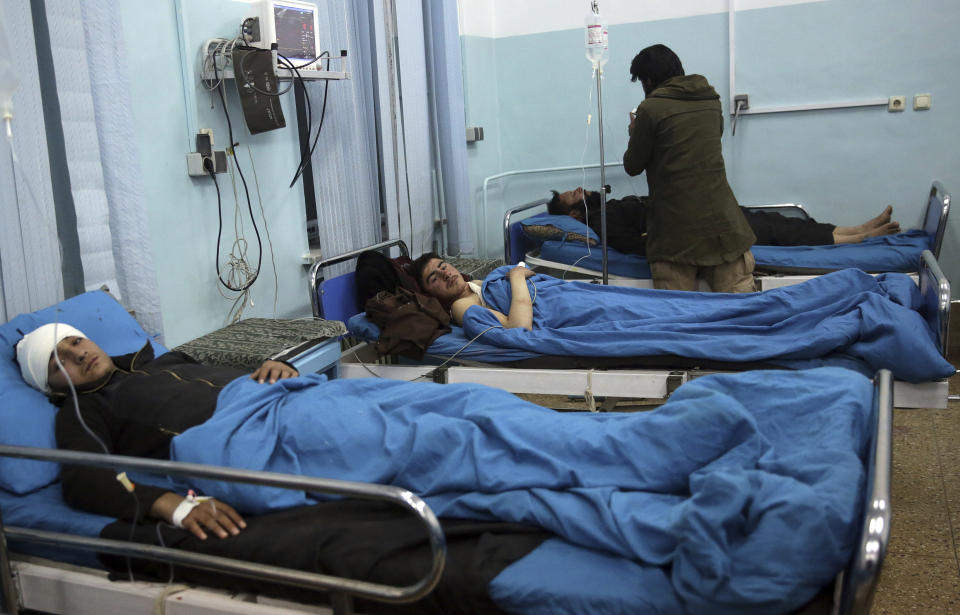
[[935, 216], [336, 298], [514, 241], [787, 210], [935, 288]]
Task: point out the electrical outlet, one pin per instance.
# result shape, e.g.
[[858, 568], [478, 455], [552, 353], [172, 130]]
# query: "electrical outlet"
[[205, 142], [742, 101], [896, 103]]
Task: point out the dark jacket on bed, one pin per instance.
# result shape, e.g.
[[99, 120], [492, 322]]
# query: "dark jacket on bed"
[[692, 217], [136, 411]]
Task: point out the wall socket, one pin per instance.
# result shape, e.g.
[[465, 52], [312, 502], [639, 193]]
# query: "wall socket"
[[896, 103], [199, 162]]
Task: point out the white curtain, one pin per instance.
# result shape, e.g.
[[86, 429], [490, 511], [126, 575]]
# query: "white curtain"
[[346, 183], [446, 86], [30, 275], [93, 91]]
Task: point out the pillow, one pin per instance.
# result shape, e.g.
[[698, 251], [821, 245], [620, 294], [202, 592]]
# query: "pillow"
[[548, 226], [26, 417]]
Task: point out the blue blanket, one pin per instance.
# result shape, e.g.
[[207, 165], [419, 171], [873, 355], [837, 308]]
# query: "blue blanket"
[[872, 322], [743, 493], [900, 252], [890, 253]]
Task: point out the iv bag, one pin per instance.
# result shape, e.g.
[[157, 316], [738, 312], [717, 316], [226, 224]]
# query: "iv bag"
[[8, 78], [596, 39]]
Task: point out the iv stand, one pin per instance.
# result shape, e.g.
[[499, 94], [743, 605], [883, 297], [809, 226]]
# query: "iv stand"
[[603, 179], [603, 170]]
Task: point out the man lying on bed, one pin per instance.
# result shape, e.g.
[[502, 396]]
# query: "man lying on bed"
[[135, 404], [717, 455], [873, 322], [626, 227]]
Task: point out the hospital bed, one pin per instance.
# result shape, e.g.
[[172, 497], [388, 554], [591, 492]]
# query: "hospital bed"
[[45, 563], [555, 244], [454, 357], [56, 579]]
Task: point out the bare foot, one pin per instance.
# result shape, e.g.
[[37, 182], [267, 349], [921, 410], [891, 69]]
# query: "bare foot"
[[887, 229], [881, 220]]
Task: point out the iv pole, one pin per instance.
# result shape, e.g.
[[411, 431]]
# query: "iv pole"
[[603, 173]]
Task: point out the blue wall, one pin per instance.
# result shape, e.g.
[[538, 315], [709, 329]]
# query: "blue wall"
[[532, 95], [183, 210]]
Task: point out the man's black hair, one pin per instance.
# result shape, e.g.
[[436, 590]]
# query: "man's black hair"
[[555, 207], [416, 268], [655, 64]]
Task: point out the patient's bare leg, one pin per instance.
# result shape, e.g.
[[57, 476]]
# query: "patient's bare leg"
[[875, 227]]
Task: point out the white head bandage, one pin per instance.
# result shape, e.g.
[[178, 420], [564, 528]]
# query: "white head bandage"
[[34, 350]]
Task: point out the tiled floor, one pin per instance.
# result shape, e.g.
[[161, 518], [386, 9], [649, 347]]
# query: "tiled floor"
[[921, 573]]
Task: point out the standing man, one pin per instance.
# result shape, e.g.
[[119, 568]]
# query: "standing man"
[[694, 224]]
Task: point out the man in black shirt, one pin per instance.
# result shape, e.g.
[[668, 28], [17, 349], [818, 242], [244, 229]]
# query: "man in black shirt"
[[626, 223], [130, 405]]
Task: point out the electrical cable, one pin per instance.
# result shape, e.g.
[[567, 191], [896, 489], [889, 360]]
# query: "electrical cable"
[[211, 172], [266, 228], [304, 161]]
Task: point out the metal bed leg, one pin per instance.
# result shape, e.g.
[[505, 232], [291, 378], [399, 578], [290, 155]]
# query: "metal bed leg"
[[9, 597], [342, 604]]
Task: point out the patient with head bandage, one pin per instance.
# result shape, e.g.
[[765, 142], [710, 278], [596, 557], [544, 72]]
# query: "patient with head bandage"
[[133, 396], [81, 360], [136, 404]]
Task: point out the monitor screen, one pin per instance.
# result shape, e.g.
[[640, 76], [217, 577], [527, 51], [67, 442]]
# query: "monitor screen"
[[294, 26]]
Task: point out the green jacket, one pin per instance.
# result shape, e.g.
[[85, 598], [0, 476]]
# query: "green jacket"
[[692, 215]]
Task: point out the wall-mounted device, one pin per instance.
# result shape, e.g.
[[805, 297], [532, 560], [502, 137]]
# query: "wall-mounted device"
[[294, 26]]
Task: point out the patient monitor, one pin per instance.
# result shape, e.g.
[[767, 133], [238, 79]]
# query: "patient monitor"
[[293, 26]]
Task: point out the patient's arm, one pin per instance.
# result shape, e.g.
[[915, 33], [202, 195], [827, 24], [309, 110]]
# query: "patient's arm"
[[92, 489], [271, 371], [212, 514], [521, 306]]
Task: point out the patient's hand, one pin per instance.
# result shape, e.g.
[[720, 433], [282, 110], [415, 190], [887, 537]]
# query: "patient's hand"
[[271, 371], [212, 514], [521, 272]]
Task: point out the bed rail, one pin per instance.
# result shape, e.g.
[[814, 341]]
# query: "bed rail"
[[935, 216], [860, 579], [316, 275], [342, 589], [935, 289], [507, 247], [788, 210]]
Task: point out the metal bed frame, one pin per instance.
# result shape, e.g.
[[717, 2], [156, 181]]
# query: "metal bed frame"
[[934, 221], [51, 589], [342, 284], [533, 259], [47, 593]]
